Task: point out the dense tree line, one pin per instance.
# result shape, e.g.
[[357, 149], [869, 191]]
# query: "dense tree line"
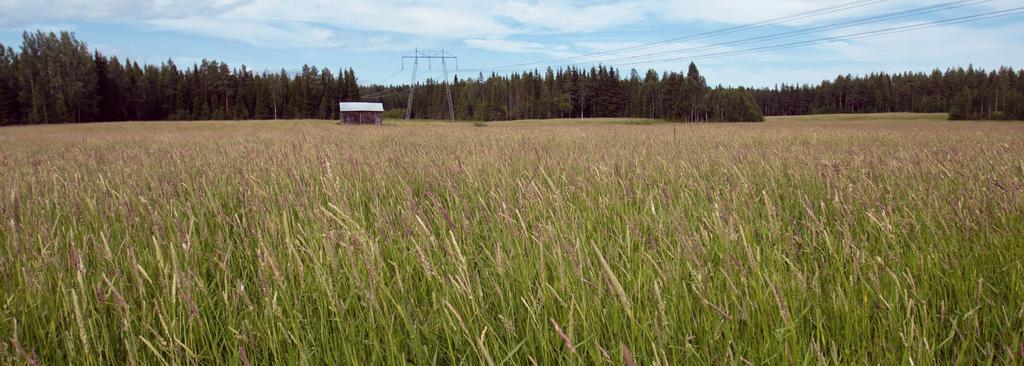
[[965, 93], [575, 93], [56, 79]]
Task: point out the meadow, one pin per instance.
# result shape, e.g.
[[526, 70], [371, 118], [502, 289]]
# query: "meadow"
[[882, 239]]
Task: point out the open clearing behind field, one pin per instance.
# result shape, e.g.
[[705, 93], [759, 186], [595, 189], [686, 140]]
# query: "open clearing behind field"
[[883, 239]]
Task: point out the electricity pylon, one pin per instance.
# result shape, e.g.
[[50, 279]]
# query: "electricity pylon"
[[430, 55]]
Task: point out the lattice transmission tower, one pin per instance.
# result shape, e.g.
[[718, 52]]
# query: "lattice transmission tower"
[[430, 56]]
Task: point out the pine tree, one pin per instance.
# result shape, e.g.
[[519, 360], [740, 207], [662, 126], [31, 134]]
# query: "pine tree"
[[8, 88], [352, 85]]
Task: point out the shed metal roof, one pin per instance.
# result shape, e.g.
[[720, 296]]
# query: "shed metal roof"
[[361, 107]]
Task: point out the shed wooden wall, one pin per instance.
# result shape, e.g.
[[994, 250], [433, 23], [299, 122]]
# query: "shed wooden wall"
[[362, 118]]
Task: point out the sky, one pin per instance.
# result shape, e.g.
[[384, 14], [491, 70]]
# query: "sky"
[[725, 38]]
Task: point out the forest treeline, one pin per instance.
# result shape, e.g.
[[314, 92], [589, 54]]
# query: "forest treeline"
[[575, 93], [56, 79], [964, 93]]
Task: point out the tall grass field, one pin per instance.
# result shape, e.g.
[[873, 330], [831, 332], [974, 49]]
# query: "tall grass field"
[[888, 239]]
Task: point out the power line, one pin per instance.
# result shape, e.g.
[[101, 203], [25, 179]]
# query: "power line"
[[388, 92], [857, 35], [392, 76], [847, 24], [863, 21], [878, 32], [382, 95], [802, 15]]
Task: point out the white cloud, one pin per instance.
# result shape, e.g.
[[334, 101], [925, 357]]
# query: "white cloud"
[[564, 16], [504, 45], [16, 12], [265, 34], [605, 45], [556, 28], [949, 45], [738, 11], [750, 11], [447, 18], [280, 21]]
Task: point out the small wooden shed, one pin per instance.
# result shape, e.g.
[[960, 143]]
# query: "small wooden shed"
[[362, 113]]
